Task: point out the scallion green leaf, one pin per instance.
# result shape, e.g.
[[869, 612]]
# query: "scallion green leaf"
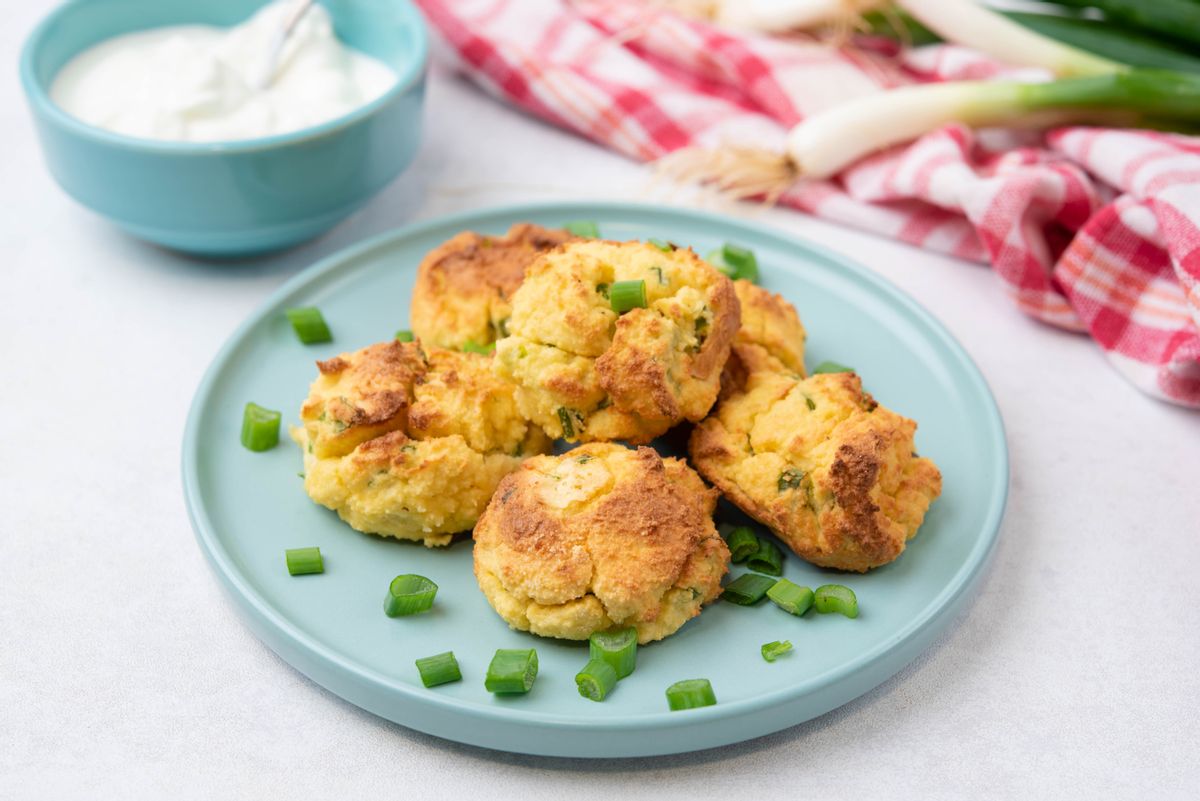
[[831, 367], [470, 347], [617, 647], [690, 694], [304, 561], [596, 680], [790, 597], [747, 589], [260, 427], [439, 669], [742, 543], [836, 598], [309, 325], [409, 594], [512, 671], [773, 650], [767, 559], [583, 228], [626, 295]]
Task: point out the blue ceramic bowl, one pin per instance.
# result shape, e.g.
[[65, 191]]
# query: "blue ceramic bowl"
[[227, 198]]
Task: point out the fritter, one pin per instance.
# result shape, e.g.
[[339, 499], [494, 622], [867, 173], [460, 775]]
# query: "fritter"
[[464, 286], [600, 536], [411, 444], [833, 474], [585, 372]]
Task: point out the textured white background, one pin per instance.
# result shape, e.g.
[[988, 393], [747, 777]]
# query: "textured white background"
[[125, 674]]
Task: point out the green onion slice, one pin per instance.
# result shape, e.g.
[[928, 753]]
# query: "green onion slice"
[[408, 595], [309, 325], [626, 295], [773, 650], [836, 598], [735, 261], [767, 559], [260, 427], [512, 671], [690, 694], [747, 589], [596, 680], [584, 228], [743, 542], [665, 247], [303, 561], [790, 597], [617, 647], [831, 367], [439, 669], [470, 347], [404, 335]]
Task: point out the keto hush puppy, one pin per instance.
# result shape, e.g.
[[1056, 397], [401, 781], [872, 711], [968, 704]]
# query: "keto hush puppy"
[[410, 444], [464, 286], [586, 372], [818, 460], [600, 536], [771, 326]]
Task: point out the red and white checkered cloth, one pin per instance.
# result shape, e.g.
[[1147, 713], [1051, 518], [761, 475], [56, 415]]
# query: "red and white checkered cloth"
[[1091, 229]]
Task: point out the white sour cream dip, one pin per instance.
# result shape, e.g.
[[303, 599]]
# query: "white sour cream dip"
[[197, 83]]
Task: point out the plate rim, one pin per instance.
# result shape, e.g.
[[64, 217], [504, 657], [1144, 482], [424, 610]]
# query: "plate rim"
[[250, 601]]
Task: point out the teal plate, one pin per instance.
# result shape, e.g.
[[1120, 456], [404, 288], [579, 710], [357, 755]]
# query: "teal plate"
[[247, 508]]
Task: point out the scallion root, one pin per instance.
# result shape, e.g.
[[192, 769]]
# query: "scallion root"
[[736, 171]]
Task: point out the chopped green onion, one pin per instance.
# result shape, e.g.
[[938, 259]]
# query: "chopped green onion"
[[626, 295], [303, 561], [747, 589], [584, 228], [596, 680], [735, 261], [409, 594], [439, 669], [617, 647], [767, 559], [309, 325], [260, 428], [690, 694], [742, 543], [665, 247], [835, 598], [512, 670], [564, 419], [773, 650], [470, 347], [831, 367], [404, 335], [789, 479], [790, 597]]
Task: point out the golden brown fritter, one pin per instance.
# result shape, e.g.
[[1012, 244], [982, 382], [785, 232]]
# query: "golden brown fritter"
[[600, 536], [830, 471], [770, 324], [586, 373], [410, 444], [464, 286]]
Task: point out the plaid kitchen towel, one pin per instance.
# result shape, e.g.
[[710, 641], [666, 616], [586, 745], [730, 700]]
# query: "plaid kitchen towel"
[[1091, 229]]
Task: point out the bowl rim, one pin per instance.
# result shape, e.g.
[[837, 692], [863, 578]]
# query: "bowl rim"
[[41, 103]]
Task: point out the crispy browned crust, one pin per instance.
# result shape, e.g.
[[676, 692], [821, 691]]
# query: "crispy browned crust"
[[626, 543], [475, 271], [727, 316], [361, 396], [833, 519]]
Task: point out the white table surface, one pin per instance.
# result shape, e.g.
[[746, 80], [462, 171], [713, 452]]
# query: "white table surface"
[[124, 672]]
